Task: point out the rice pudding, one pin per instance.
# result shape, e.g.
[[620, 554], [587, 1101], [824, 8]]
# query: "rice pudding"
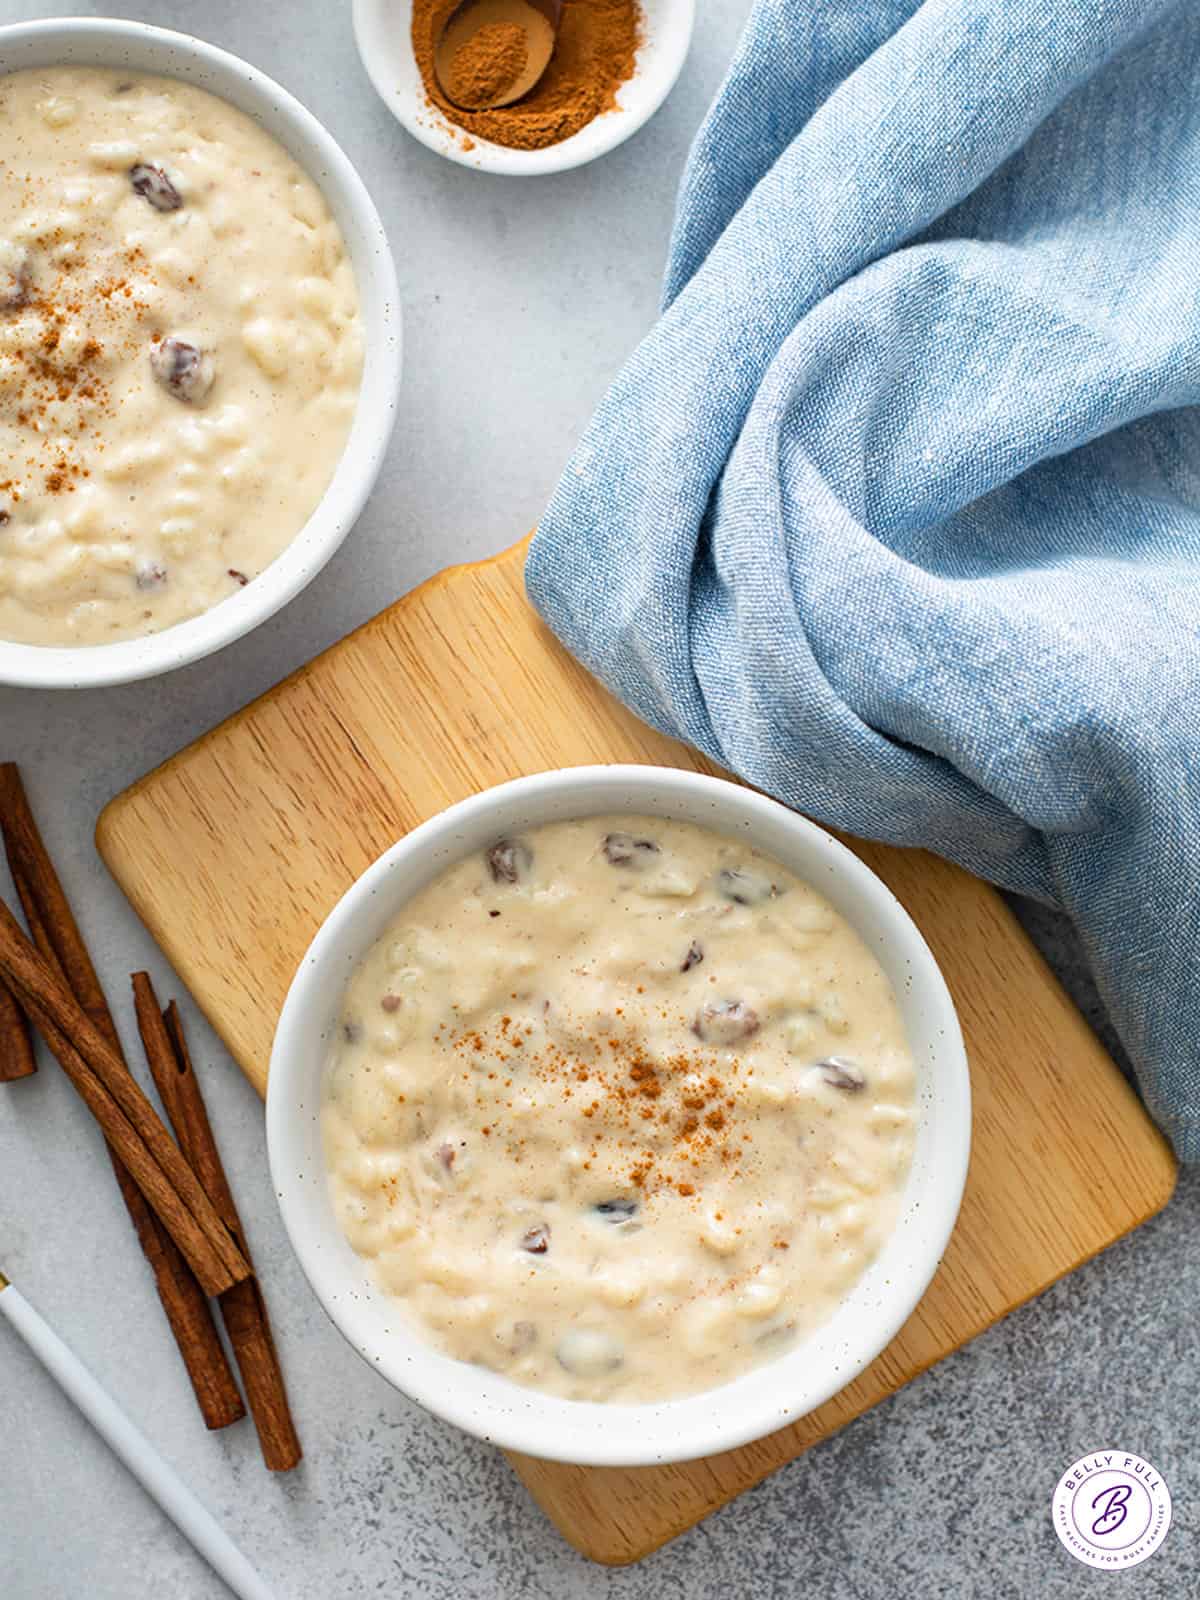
[[619, 1108], [180, 353]]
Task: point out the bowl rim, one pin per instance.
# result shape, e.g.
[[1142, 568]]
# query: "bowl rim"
[[169, 53], [526, 1419], [597, 138]]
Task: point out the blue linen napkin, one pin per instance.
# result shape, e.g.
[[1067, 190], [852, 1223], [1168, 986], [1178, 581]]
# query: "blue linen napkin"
[[896, 511]]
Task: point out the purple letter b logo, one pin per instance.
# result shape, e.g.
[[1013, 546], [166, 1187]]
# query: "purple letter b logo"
[[1114, 1513]]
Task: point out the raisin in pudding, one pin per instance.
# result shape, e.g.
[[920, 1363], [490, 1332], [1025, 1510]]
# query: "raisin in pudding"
[[619, 1108], [180, 353]]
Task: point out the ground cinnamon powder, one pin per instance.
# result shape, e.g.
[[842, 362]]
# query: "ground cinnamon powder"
[[594, 55], [488, 65], [653, 1123]]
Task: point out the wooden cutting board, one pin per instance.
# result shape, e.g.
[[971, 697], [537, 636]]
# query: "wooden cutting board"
[[235, 850]]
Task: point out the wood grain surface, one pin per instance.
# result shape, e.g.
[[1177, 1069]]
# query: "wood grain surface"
[[234, 851]]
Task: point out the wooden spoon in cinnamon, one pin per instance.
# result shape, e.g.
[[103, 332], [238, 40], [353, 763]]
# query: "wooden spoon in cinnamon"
[[492, 52]]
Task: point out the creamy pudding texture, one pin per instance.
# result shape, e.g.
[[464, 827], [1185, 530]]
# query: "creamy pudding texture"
[[619, 1108], [180, 353]]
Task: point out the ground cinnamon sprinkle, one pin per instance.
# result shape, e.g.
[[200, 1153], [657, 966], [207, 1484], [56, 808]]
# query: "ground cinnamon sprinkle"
[[657, 1122], [594, 55], [60, 386]]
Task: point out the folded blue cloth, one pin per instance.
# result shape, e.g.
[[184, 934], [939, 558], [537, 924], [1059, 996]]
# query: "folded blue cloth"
[[896, 512]]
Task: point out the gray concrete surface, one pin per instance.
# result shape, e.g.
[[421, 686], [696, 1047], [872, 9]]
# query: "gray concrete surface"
[[521, 301]]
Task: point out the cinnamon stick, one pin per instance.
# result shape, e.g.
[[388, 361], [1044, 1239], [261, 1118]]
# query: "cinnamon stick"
[[126, 1117], [47, 910], [16, 1046], [57, 936], [187, 1309], [243, 1308]]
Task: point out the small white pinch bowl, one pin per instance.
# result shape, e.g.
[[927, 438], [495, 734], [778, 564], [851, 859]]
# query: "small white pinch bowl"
[[383, 31], [79, 41], [485, 1403]]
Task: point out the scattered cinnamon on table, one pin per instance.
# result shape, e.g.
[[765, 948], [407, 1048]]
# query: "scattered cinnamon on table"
[[594, 55], [243, 1308]]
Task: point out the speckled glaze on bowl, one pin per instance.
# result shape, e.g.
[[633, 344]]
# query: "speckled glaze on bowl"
[[485, 1403], [75, 41], [383, 31]]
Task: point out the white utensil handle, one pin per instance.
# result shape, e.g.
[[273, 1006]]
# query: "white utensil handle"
[[158, 1479]]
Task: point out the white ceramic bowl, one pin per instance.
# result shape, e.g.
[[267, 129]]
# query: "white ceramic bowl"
[[98, 42], [485, 1403], [383, 29]]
